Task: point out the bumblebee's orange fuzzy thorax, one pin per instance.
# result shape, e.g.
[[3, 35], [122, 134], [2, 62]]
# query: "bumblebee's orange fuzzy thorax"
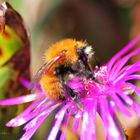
[[70, 45]]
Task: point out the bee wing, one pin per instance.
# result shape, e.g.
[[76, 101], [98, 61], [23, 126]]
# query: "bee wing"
[[46, 67], [40, 72]]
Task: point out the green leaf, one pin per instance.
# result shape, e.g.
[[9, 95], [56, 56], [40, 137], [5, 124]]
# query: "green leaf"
[[5, 75], [10, 44], [14, 58]]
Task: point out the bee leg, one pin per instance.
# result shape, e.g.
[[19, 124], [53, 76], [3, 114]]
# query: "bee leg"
[[73, 96], [90, 75]]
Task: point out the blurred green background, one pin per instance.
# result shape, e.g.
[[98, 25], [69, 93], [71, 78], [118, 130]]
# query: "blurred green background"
[[106, 24]]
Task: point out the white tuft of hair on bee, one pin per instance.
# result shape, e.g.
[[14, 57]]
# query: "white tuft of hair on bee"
[[89, 51]]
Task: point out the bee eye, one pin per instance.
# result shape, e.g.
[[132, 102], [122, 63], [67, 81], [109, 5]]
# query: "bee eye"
[[81, 54], [80, 51]]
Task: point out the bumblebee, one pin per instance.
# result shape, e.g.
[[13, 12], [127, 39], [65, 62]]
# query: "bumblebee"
[[62, 59]]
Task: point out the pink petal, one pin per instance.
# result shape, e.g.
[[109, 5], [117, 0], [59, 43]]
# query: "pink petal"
[[88, 131], [29, 85], [136, 89], [136, 108], [19, 120], [132, 77], [76, 84], [58, 120], [112, 131], [33, 125], [120, 63], [67, 118], [31, 107], [76, 122], [25, 83], [129, 69], [119, 104], [127, 78], [122, 52], [130, 102], [21, 99], [23, 118]]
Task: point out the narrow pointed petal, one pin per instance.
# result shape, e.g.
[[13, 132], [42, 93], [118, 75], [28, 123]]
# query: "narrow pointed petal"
[[129, 69], [120, 106], [136, 89], [130, 102], [32, 106], [19, 120], [132, 77], [76, 122], [136, 108], [122, 52], [26, 83], [88, 131], [21, 99], [120, 63], [67, 118], [58, 120], [112, 131], [29, 85], [23, 118], [127, 78], [33, 125]]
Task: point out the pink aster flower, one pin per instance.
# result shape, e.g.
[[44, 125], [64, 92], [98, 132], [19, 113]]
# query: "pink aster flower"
[[111, 93]]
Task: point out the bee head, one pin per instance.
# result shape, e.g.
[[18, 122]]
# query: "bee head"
[[88, 60], [88, 51], [86, 54]]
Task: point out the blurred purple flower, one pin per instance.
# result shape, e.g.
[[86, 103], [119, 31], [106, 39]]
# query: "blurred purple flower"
[[110, 94]]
